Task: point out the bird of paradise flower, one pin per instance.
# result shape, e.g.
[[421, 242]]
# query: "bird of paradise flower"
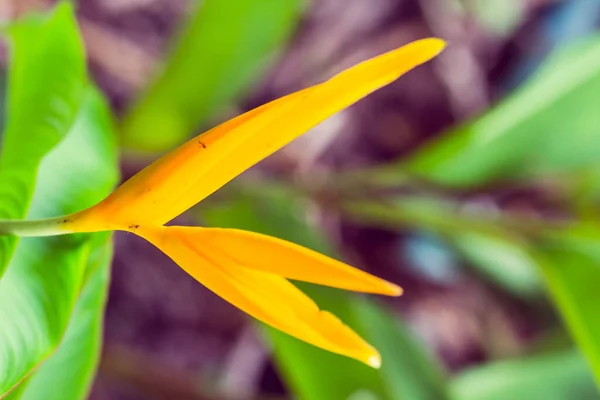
[[249, 270]]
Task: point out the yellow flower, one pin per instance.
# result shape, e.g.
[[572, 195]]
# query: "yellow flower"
[[248, 269]]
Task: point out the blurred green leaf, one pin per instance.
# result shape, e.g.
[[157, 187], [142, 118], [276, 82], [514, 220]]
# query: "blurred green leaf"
[[219, 55], [581, 237], [556, 376], [409, 372], [572, 278], [498, 17], [502, 259], [41, 286], [550, 124], [428, 212], [46, 78], [312, 373], [489, 246]]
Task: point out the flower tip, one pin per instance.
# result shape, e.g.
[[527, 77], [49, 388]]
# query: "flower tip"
[[435, 45], [374, 361], [395, 290], [372, 358], [387, 288]]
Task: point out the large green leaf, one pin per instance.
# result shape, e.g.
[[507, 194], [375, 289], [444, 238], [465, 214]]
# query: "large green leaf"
[[45, 277], [46, 78], [550, 124], [407, 372], [219, 54], [555, 376]]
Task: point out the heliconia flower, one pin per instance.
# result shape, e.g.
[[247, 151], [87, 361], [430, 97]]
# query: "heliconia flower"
[[248, 269]]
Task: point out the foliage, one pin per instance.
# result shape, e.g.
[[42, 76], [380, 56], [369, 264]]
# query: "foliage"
[[53, 311]]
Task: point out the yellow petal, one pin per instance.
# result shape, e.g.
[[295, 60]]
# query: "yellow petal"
[[199, 167], [267, 297], [280, 257]]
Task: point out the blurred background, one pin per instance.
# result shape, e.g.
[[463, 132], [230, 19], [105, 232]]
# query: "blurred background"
[[472, 182]]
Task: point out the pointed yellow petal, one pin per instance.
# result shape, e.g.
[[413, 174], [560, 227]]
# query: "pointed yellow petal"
[[280, 257], [196, 169], [265, 296]]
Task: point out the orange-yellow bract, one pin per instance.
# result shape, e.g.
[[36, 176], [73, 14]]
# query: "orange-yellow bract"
[[248, 269]]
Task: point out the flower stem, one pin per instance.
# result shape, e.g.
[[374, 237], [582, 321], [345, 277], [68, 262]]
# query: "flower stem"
[[38, 227]]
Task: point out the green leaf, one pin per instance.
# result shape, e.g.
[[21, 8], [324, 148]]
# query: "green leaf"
[[498, 17], [407, 372], [493, 249], [218, 56], [550, 124], [46, 78], [556, 376], [572, 278], [45, 277], [581, 237], [502, 259], [68, 373]]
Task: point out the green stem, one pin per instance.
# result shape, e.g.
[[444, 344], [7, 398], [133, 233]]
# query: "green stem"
[[38, 227]]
